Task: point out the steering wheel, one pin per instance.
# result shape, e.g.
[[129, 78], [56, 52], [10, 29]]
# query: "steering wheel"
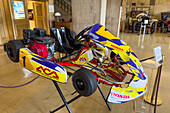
[[81, 36]]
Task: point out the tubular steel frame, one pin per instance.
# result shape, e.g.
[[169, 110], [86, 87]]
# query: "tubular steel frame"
[[73, 99], [155, 92]]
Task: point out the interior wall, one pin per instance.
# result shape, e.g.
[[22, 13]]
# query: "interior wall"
[[85, 13], [8, 19], [112, 15], [123, 15], [161, 6], [4, 37]]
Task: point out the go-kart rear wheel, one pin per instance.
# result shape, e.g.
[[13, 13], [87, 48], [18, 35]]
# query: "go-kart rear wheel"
[[84, 82], [12, 49]]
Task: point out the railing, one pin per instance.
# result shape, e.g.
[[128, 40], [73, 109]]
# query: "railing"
[[64, 6]]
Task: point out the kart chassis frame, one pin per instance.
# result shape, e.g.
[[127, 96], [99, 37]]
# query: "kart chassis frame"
[[66, 103]]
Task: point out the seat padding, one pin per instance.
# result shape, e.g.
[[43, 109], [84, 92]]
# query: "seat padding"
[[64, 39]]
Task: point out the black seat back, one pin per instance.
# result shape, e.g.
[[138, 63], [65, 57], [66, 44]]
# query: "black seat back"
[[64, 40]]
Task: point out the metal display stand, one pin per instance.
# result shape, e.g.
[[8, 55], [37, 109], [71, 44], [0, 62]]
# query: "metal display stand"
[[75, 98], [153, 99]]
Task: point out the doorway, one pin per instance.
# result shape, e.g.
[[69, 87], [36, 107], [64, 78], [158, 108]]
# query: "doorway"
[[38, 15]]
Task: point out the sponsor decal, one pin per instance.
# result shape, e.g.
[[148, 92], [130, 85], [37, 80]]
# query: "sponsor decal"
[[117, 47], [130, 50], [82, 59], [130, 91], [120, 96], [143, 73], [47, 71]]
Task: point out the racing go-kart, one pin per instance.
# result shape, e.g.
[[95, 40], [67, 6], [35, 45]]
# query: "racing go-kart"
[[86, 54]]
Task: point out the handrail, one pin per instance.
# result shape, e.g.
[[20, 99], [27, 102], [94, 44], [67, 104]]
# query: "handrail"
[[64, 6]]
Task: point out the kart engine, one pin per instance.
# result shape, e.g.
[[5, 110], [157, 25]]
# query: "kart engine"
[[39, 43]]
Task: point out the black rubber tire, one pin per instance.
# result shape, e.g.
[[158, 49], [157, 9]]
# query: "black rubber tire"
[[153, 27], [5, 47], [162, 27], [167, 29], [138, 26], [129, 27], [84, 82], [12, 49], [133, 27], [112, 55]]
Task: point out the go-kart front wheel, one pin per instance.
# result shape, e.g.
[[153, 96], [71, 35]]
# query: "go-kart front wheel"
[[84, 82]]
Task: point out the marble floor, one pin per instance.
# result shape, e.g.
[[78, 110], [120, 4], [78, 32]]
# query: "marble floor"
[[41, 96]]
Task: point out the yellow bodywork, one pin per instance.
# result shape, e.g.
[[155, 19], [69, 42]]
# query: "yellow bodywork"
[[41, 66]]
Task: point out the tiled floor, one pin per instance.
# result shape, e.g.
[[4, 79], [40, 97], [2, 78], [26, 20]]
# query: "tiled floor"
[[41, 96]]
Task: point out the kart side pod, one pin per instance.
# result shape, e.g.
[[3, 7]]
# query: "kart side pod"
[[42, 66]]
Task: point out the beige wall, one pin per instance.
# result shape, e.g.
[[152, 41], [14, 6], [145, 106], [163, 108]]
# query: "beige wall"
[[87, 13], [4, 37], [112, 15], [8, 19], [161, 6]]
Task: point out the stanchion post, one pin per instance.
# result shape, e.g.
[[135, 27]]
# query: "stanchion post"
[[159, 77], [155, 85], [153, 99]]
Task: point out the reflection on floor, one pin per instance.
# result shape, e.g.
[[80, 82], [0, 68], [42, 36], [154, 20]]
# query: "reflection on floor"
[[41, 96]]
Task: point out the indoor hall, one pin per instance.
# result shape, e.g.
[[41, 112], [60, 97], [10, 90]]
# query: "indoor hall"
[[143, 25], [41, 96]]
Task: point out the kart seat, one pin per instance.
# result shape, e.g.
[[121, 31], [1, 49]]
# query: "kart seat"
[[64, 39]]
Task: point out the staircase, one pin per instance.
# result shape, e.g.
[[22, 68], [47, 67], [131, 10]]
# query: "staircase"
[[64, 6]]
